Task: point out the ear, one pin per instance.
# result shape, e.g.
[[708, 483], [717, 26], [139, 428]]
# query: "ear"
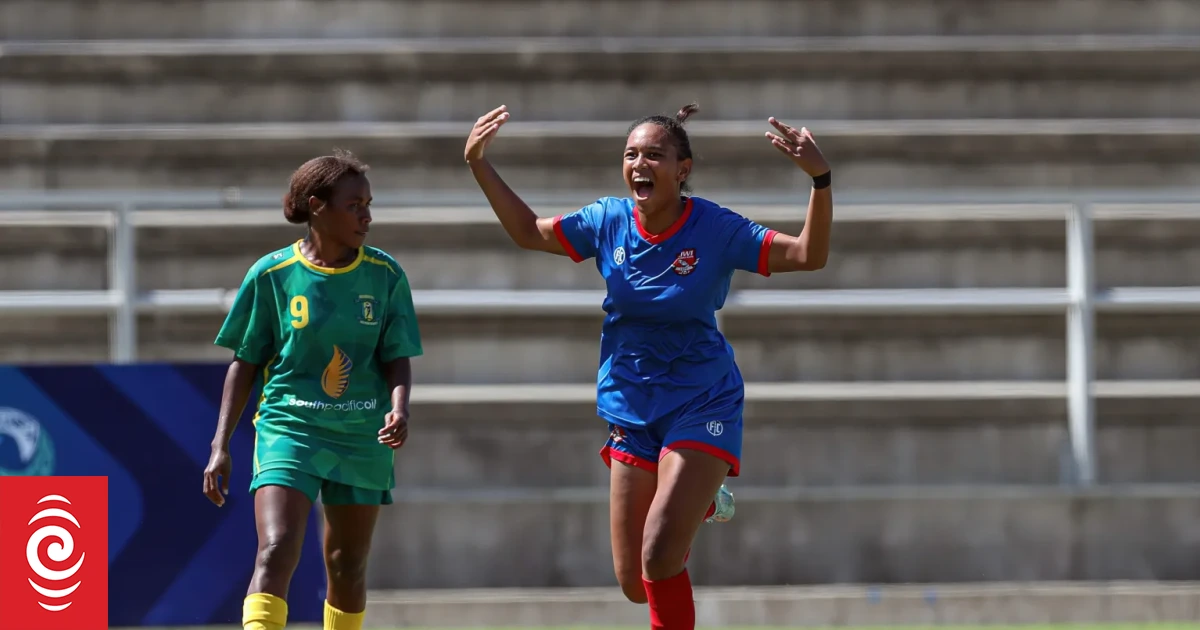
[[685, 169], [315, 206]]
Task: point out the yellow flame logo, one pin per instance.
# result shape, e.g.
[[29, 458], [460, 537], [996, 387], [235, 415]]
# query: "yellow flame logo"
[[336, 377]]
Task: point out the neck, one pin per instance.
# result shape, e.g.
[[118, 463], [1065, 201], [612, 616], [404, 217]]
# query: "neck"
[[656, 220], [324, 251]]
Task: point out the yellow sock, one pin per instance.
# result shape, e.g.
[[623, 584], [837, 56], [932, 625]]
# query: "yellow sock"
[[338, 620], [262, 611]]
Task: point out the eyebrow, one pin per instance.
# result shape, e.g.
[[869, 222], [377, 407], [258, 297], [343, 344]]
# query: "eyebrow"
[[653, 147]]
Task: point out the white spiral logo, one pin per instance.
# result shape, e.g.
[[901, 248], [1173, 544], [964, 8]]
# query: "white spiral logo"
[[58, 551]]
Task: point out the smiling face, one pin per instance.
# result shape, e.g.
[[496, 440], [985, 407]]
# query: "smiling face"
[[346, 219], [652, 168]]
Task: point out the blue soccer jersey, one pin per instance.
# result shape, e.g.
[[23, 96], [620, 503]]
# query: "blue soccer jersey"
[[660, 348]]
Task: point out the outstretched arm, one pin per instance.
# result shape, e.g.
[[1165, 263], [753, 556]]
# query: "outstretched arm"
[[523, 226], [810, 250]]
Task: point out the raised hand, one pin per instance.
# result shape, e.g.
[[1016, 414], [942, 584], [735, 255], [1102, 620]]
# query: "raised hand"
[[483, 132], [800, 147]]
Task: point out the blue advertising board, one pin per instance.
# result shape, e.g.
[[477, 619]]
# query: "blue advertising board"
[[174, 557]]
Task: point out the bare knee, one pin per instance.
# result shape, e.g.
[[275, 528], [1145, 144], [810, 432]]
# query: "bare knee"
[[277, 556], [347, 569], [662, 557]]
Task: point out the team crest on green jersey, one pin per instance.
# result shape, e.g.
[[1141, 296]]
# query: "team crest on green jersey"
[[367, 310]]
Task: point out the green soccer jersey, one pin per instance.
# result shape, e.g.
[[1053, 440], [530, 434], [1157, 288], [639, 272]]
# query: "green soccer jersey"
[[321, 336]]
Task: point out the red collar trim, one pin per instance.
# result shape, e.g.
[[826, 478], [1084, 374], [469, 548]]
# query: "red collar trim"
[[655, 239]]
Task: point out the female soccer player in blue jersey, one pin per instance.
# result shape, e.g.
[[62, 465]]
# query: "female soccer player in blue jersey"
[[328, 325], [667, 385]]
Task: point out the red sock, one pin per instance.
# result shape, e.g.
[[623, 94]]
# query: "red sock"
[[671, 604]]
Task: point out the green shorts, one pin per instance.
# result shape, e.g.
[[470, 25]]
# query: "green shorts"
[[332, 492]]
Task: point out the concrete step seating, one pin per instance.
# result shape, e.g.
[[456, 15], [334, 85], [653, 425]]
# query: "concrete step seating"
[[563, 156], [886, 535], [784, 347], [943, 246], [577, 79], [478, 441], [265, 19], [985, 315], [901, 95]]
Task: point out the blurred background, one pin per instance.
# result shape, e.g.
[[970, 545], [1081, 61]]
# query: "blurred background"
[[983, 410]]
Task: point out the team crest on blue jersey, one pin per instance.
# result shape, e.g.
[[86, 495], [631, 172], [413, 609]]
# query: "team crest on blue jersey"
[[619, 256], [367, 310], [685, 262]]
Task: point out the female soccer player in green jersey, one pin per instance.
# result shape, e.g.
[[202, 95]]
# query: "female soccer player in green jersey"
[[328, 325]]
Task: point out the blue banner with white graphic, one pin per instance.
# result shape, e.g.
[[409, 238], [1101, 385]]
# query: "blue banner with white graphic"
[[174, 557]]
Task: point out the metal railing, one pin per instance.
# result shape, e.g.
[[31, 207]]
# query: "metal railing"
[[121, 213]]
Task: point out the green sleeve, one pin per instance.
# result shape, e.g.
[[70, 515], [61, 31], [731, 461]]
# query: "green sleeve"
[[248, 328], [401, 335]]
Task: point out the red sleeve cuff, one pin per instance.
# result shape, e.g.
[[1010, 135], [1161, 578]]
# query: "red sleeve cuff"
[[562, 240], [764, 253]]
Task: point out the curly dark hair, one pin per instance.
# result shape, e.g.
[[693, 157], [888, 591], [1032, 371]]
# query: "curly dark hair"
[[317, 178], [674, 127]]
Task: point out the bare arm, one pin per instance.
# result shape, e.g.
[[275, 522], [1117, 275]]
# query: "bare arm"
[[239, 380], [523, 226], [399, 379], [810, 250], [398, 374]]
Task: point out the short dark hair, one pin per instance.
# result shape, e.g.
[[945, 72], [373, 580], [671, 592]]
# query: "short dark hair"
[[316, 178], [674, 127]]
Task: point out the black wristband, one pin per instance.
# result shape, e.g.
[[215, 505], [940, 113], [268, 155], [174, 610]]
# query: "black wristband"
[[823, 181]]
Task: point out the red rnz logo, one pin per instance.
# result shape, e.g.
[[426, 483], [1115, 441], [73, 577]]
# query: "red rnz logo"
[[54, 553]]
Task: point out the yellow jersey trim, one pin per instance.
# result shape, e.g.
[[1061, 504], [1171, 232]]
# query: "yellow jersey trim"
[[329, 270], [262, 396], [288, 262], [381, 263]]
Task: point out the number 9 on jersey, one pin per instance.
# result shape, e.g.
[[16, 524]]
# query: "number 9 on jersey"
[[299, 309]]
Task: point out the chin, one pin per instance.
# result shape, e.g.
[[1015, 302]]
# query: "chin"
[[660, 202]]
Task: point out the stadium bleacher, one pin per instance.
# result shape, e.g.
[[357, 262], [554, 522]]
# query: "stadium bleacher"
[[907, 418]]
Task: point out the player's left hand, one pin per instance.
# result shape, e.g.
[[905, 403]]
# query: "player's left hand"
[[800, 146], [395, 429]]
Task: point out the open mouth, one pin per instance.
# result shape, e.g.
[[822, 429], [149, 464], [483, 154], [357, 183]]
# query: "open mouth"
[[642, 187]]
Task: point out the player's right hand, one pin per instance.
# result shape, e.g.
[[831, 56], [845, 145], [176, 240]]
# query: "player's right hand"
[[216, 476], [483, 132]]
